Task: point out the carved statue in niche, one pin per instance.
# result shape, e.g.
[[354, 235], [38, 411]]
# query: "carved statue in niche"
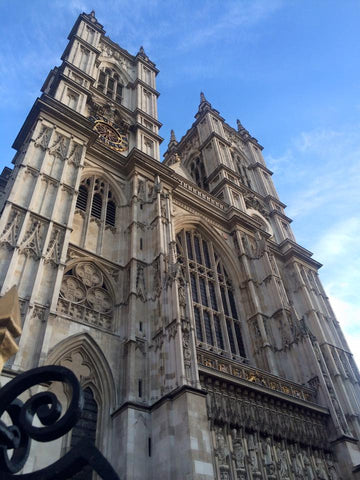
[[267, 456], [222, 448], [320, 470], [308, 471], [239, 451], [182, 296], [140, 282], [296, 465], [252, 446], [333, 475], [282, 463]]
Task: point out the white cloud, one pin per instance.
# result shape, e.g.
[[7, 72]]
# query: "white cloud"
[[340, 238], [318, 176]]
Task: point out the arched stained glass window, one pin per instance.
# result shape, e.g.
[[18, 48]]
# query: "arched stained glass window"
[[217, 321]]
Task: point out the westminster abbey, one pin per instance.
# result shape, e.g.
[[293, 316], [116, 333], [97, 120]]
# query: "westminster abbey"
[[175, 290]]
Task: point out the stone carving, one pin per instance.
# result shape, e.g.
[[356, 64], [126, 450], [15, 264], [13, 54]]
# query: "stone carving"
[[72, 289], [108, 52], [43, 139], [296, 464], [222, 449], [60, 147], [31, 245], [264, 417], [239, 451], [158, 188], [39, 314], [257, 456], [84, 296], [90, 275], [253, 459], [140, 345], [75, 155], [11, 231], [140, 282], [99, 299], [156, 278], [308, 471], [267, 456], [182, 296], [186, 343], [320, 470], [252, 201], [282, 463], [53, 251], [333, 475]]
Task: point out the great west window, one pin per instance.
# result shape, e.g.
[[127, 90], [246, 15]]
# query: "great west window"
[[217, 321]]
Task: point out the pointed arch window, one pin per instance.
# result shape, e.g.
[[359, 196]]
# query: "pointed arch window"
[[217, 321], [110, 84], [96, 198], [198, 173]]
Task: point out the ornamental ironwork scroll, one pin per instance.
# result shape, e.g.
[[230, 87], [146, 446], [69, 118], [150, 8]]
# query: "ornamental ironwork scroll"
[[16, 438]]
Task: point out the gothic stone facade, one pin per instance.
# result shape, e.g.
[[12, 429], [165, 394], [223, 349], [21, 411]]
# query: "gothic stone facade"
[[176, 291]]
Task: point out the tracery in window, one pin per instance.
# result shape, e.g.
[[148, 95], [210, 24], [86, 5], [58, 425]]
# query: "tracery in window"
[[217, 321], [110, 84], [96, 192], [198, 173], [85, 296]]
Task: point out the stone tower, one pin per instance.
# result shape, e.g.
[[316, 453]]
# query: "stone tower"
[[198, 327]]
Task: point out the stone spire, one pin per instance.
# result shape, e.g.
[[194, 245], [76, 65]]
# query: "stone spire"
[[91, 17], [204, 104], [245, 135], [173, 142], [242, 130], [141, 53]]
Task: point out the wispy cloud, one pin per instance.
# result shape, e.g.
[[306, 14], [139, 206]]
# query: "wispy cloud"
[[318, 174]]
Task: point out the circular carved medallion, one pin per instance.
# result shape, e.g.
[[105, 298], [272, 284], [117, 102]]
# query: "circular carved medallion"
[[89, 274], [100, 300], [72, 290]]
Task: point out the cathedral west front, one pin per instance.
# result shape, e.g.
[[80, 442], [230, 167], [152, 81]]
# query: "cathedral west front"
[[175, 290]]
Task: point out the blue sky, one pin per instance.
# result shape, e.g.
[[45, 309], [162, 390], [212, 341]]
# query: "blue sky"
[[289, 69]]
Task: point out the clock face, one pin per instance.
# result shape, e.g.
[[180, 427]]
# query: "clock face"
[[111, 137]]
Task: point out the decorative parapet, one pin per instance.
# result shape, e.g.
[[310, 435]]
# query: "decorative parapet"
[[202, 194], [255, 376], [9, 325]]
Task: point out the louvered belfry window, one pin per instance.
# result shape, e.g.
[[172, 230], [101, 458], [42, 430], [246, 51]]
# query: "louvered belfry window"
[[96, 198], [217, 322], [82, 199], [110, 84]]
